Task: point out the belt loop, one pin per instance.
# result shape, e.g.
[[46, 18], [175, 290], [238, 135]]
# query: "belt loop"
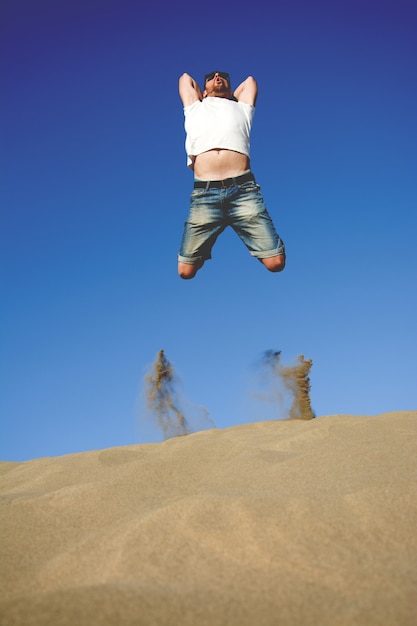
[[207, 186]]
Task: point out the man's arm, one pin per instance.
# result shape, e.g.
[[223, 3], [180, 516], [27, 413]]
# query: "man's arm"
[[189, 90], [247, 91]]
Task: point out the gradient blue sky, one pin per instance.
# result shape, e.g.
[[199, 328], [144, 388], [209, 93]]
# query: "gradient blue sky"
[[95, 191]]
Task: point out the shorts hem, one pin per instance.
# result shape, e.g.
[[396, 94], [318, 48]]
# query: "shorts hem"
[[191, 261], [268, 253]]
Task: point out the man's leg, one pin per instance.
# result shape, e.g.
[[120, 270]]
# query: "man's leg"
[[204, 224], [253, 224]]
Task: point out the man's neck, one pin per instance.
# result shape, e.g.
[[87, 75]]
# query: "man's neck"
[[225, 97]]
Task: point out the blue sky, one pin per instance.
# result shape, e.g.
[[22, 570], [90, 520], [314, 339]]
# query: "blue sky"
[[95, 190]]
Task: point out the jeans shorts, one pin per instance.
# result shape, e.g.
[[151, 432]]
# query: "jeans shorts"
[[240, 206]]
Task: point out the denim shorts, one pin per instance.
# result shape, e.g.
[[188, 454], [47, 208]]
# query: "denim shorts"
[[242, 207]]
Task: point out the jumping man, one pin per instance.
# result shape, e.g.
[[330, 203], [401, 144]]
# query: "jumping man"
[[218, 124]]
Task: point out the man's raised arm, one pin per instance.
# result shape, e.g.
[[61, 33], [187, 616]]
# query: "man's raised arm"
[[247, 91], [189, 90]]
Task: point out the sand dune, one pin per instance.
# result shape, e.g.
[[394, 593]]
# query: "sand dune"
[[266, 524]]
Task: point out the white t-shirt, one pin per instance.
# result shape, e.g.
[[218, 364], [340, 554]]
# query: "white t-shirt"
[[217, 123]]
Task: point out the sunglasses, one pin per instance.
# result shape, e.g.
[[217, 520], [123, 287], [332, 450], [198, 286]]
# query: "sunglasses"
[[210, 76]]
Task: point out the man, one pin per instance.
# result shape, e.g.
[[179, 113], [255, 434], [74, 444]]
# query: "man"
[[218, 124]]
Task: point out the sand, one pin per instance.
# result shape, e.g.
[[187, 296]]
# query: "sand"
[[266, 524]]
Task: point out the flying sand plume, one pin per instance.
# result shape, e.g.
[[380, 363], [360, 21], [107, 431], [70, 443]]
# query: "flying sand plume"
[[295, 379], [164, 402], [160, 398]]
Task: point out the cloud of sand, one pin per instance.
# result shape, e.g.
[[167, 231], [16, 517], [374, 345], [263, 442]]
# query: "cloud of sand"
[[167, 406], [285, 389], [286, 384]]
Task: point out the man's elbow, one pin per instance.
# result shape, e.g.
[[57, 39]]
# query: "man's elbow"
[[251, 82], [185, 78]]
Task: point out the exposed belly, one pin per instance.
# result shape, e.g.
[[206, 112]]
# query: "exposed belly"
[[218, 164]]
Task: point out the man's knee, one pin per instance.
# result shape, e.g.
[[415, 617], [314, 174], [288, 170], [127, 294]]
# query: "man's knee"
[[274, 263], [187, 270]]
